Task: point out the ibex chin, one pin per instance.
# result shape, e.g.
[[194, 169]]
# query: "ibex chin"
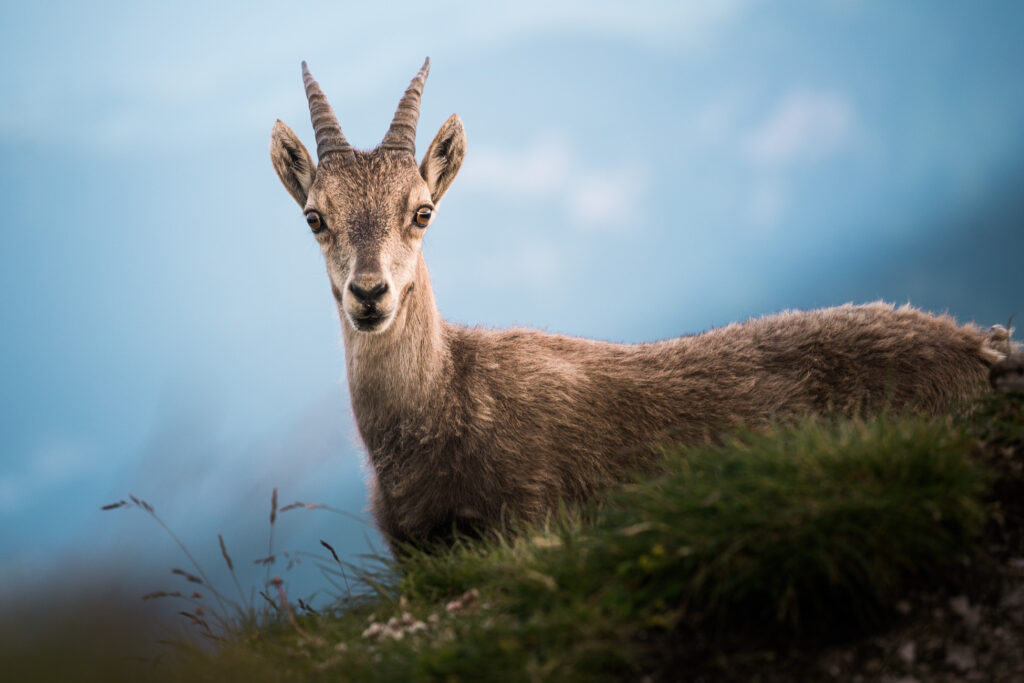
[[467, 428]]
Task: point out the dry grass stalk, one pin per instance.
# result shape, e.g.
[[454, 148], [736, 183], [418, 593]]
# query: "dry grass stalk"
[[278, 583], [273, 604], [224, 552], [161, 594], [201, 579], [269, 559], [189, 577], [196, 620], [305, 605], [328, 546], [344, 574]]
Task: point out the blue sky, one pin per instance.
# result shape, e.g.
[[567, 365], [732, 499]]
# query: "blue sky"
[[635, 171]]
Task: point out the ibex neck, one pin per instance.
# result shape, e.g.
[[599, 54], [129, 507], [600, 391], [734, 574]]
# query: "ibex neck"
[[401, 366]]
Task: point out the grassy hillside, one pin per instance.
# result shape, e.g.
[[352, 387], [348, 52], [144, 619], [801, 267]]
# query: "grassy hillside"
[[790, 538]]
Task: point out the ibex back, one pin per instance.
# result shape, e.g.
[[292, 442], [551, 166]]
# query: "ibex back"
[[468, 427]]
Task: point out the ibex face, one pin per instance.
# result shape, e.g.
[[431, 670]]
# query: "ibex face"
[[369, 215], [368, 210]]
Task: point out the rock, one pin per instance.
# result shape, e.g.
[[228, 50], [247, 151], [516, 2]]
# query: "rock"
[[908, 652], [960, 657], [1013, 599], [1008, 374], [961, 607]]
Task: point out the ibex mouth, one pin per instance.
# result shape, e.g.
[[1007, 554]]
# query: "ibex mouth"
[[368, 322]]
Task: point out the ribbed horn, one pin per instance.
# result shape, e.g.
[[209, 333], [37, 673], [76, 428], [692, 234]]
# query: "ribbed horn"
[[329, 139], [402, 134]]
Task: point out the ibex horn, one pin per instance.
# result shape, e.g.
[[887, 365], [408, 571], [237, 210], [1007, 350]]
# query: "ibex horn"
[[329, 139], [402, 134]]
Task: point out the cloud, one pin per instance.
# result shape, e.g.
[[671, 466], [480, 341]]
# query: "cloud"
[[607, 198], [663, 22], [190, 449], [717, 120], [222, 76], [592, 197], [50, 466], [533, 262], [806, 126], [767, 204], [11, 494], [534, 171], [203, 480]]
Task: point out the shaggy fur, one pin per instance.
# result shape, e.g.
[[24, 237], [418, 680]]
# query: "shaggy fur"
[[469, 428]]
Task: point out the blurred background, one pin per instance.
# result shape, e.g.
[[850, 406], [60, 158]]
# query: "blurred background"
[[166, 325]]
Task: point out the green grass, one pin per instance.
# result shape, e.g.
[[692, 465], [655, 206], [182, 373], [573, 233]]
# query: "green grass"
[[792, 534], [998, 421], [797, 532]]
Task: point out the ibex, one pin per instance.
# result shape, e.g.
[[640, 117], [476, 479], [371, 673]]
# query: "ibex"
[[467, 428]]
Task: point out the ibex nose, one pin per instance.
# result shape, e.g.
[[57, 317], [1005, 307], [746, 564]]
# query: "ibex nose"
[[370, 296]]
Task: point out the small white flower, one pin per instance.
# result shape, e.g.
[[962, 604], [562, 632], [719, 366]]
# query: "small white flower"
[[373, 630]]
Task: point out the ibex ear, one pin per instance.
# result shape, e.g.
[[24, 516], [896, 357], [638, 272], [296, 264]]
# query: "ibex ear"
[[444, 157], [292, 162]]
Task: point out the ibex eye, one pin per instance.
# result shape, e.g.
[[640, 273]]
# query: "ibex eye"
[[316, 223], [422, 216]]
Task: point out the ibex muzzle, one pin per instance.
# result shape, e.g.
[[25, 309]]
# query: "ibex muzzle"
[[368, 295]]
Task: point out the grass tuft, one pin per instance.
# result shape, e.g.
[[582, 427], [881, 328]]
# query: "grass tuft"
[[807, 531], [811, 529]]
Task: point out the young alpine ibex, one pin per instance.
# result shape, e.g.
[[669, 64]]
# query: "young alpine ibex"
[[469, 427]]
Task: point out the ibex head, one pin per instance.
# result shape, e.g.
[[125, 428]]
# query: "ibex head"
[[368, 210]]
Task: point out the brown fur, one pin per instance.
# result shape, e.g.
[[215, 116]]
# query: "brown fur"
[[470, 427], [509, 422]]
